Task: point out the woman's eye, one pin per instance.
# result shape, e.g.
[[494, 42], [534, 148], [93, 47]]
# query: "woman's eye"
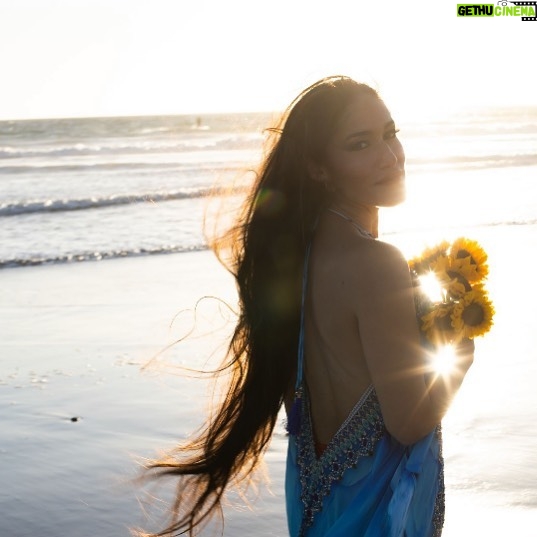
[[357, 146], [391, 134]]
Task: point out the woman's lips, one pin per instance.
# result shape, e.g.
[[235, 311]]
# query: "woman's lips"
[[393, 178]]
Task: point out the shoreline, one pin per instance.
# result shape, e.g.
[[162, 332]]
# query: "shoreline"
[[75, 338]]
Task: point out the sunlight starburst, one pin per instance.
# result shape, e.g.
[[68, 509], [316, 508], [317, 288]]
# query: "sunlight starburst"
[[444, 360], [431, 286]]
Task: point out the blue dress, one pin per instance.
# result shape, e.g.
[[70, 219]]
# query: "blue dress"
[[365, 483]]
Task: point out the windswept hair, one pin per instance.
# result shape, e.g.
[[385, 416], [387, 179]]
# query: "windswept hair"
[[265, 250]]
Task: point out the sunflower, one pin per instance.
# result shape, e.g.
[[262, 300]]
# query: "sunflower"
[[421, 263], [451, 280], [440, 265], [469, 259], [460, 307], [472, 315], [437, 324], [456, 286]]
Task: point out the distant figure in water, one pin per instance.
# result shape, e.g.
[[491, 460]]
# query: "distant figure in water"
[[198, 125], [327, 328]]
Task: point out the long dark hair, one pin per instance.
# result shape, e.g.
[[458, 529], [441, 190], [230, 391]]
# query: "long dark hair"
[[266, 251]]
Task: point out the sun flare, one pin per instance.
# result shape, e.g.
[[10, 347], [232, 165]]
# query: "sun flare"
[[443, 361], [431, 286]]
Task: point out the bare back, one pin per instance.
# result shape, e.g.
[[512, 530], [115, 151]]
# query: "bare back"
[[335, 367], [361, 329]]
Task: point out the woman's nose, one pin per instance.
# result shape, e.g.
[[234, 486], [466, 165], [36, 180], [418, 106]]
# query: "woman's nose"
[[391, 155]]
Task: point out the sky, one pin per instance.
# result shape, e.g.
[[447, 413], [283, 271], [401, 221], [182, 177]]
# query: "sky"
[[79, 58]]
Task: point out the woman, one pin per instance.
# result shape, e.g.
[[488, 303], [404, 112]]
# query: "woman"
[[364, 446]]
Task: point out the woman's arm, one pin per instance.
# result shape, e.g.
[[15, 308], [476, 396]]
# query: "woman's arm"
[[412, 399]]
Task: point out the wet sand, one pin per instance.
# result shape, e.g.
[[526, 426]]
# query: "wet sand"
[[78, 409]]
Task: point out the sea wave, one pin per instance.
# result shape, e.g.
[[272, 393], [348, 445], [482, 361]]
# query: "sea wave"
[[82, 256], [63, 205], [47, 167], [97, 256], [224, 142]]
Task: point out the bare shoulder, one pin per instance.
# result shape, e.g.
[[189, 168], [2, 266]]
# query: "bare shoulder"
[[378, 266], [379, 252]]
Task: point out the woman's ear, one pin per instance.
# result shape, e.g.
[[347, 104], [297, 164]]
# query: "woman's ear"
[[319, 174]]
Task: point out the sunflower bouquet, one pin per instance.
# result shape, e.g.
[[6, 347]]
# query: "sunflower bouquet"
[[460, 307]]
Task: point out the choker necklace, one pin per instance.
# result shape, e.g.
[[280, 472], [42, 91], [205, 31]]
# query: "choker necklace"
[[357, 226]]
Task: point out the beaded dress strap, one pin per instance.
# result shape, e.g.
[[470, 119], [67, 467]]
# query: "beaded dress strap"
[[294, 417], [300, 357]]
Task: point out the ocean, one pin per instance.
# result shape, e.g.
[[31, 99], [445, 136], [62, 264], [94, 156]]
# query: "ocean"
[[103, 259], [86, 189], [75, 190]]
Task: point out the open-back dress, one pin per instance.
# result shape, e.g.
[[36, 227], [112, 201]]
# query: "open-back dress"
[[364, 483]]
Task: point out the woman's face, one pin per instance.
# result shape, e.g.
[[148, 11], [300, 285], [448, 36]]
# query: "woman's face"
[[365, 161]]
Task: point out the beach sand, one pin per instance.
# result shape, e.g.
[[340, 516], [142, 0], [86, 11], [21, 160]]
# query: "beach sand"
[[79, 343], [79, 410]]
